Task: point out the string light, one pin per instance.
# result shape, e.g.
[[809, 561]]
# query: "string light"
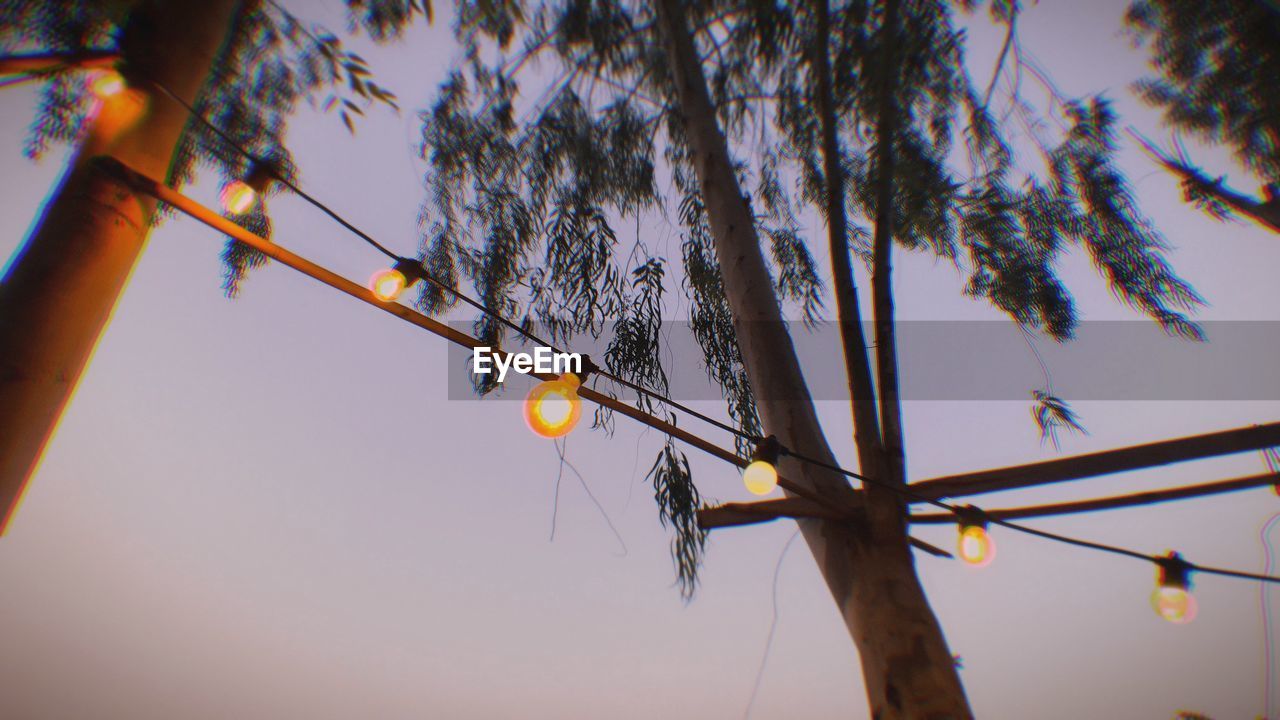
[[1172, 598], [239, 197], [761, 476], [106, 84], [117, 106], [974, 545], [388, 284], [159, 190], [553, 407]]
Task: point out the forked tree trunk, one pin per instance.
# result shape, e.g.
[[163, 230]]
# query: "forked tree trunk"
[[907, 668], [59, 294]]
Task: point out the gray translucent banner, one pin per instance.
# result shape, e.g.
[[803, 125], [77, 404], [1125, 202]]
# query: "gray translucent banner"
[[949, 360]]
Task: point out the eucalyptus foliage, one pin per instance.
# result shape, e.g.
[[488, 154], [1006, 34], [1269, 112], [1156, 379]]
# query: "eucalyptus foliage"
[[1218, 65], [557, 128], [271, 61]]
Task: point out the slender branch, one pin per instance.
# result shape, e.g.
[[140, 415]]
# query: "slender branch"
[[1004, 54], [761, 97], [738, 514], [786, 408], [881, 278], [1266, 212], [1101, 463], [54, 61], [696, 28], [1115, 502], [734, 514], [866, 427]]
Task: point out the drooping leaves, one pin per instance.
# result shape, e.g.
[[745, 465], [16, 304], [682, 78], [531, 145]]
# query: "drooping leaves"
[[1053, 415], [271, 61], [1217, 63], [578, 155], [678, 501]]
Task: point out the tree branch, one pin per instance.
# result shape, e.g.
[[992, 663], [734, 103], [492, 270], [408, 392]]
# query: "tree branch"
[[53, 61], [785, 405], [1212, 194], [866, 427], [1118, 501], [881, 278], [1101, 463]]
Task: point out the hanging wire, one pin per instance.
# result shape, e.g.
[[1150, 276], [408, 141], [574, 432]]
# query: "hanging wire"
[[1268, 640], [901, 489], [446, 287], [773, 627], [1271, 458]]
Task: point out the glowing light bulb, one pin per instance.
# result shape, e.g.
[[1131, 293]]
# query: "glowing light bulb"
[[553, 407], [975, 546], [1175, 604], [242, 194], [106, 84], [1172, 599], [760, 477], [388, 284], [238, 197]]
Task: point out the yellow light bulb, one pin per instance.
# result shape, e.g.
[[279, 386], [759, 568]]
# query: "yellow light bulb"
[[975, 546], [553, 407], [387, 284], [760, 477], [1175, 604], [238, 198], [106, 84]]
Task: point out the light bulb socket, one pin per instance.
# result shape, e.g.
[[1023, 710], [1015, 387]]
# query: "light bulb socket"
[[259, 175], [968, 516], [767, 449], [588, 366], [1173, 572], [412, 271]]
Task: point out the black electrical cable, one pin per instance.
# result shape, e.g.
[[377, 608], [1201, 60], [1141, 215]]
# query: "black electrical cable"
[[435, 281], [904, 490]]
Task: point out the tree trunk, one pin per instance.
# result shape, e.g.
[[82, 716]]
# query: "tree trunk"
[[862, 396], [882, 267], [907, 668], [60, 292]]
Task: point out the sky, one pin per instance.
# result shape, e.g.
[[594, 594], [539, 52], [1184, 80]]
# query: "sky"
[[272, 506]]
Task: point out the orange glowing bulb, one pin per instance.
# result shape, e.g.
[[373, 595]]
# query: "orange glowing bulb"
[[238, 197], [553, 407], [387, 284], [1175, 604], [975, 546], [106, 84], [760, 477], [1172, 599]]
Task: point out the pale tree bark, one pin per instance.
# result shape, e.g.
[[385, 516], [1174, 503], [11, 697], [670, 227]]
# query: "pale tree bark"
[[60, 292], [907, 669]]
